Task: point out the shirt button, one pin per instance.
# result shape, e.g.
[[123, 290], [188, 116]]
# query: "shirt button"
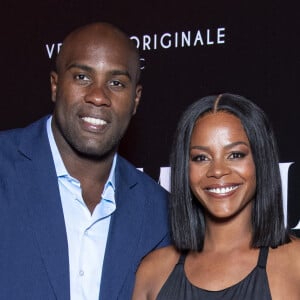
[[81, 273]]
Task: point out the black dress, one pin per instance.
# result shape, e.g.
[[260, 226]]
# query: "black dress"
[[254, 286]]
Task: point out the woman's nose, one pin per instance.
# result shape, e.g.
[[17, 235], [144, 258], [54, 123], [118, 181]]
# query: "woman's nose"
[[218, 168]]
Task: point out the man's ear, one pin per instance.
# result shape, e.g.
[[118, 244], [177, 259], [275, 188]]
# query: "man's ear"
[[138, 94], [53, 81]]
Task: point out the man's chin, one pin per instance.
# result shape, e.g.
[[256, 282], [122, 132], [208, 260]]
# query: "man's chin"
[[95, 153]]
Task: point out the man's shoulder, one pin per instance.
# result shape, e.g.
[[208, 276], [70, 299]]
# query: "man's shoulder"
[[10, 139], [136, 175], [16, 132]]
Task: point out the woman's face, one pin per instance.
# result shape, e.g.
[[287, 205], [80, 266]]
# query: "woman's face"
[[221, 167]]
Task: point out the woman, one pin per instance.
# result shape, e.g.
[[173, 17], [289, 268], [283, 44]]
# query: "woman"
[[226, 212]]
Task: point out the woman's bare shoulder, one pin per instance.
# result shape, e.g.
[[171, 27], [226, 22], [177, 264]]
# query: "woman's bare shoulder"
[[287, 253], [284, 270], [290, 250], [293, 250], [161, 258], [154, 271]]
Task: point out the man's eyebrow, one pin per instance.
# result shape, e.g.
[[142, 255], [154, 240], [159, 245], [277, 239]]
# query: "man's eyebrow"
[[79, 66], [90, 69], [121, 72]]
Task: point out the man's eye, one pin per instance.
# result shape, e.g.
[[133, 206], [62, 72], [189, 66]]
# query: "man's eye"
[[116, 83], [81, 77]]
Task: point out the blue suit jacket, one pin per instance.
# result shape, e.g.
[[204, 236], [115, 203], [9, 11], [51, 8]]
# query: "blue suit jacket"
[[33, 243]]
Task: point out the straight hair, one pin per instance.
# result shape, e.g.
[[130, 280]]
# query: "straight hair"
[[186, 213]]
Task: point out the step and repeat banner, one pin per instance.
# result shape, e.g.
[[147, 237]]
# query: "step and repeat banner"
[[189, 50]]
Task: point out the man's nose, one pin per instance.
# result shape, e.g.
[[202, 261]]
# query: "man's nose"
[[98, 95]]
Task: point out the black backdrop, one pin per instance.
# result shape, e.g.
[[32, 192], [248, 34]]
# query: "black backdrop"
[[255, 55]]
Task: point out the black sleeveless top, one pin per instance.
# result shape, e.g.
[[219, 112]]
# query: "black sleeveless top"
[[254, 286]]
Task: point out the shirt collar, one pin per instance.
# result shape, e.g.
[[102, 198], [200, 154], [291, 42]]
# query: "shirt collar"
[[60, 168]]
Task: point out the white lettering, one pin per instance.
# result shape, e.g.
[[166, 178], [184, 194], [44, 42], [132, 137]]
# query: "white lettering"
[[155, 41], [50, 50], [164, 178], [209, 41], [168, 45], [198, 38], [220, 35], [186, 39], [298, 226], [142, 60], [136, 39], [176, 39], [284, 170], [180, 39], [167, 40], [146, 42], [58, 47]]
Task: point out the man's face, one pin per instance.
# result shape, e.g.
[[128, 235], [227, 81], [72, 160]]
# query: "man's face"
[[95, 94]]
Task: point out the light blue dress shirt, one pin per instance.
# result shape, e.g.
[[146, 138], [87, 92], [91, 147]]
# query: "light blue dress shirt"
[[86, 233]]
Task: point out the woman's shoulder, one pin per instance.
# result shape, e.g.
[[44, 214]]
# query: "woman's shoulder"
[[163, 258], [293, 250], [283, 270], [153, 271], [288, 252]]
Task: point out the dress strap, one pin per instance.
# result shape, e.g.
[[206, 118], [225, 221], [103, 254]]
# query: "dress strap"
[[263, 256], [182, 258]]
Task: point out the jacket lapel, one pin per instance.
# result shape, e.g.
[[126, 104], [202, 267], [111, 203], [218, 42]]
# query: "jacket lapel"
[[40, 193], [125, 230]]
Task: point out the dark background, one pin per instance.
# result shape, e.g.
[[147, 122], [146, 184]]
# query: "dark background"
[[259, 60]]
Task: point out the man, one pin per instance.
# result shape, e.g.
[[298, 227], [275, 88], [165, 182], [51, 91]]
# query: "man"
[[75, 217]]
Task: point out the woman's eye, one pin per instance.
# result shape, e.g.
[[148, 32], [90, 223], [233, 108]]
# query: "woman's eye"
[[236, 155], [199, 158]]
